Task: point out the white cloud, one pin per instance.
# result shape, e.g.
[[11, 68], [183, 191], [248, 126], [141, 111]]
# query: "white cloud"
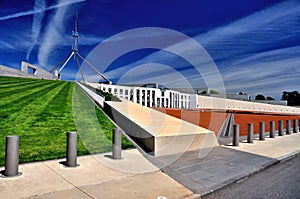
[[36, 24], [52, 36], [247, 63], [268, 76], [36, 11], [261, 25], [87, 39], [8, 43]]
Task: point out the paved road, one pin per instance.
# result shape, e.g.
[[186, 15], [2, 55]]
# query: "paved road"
[[279, 181]]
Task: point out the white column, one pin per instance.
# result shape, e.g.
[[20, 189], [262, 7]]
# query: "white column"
[[134, 95], [175, 100], [141, 93], [180, 101], [151, 97]]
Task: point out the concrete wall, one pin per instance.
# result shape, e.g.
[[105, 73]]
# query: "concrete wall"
[[231, 96], [274, 102], [7, 71], [157, 133], [98, 98], [38, 72], [229, 104]]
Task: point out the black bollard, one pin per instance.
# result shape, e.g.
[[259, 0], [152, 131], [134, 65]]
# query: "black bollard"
[[280, 128], [72, 149], [262, 131], [295, 126], [288, 127], [12, 156], [236, 135], [272, 129], [250, 133], [117, 144]]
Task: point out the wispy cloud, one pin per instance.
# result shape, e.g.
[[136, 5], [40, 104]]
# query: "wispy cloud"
[[255, 54], [39, 10], [36, 24], [259, 51], [53, 36], [268, 73], [272, 28], [8, 43], [87, 39]]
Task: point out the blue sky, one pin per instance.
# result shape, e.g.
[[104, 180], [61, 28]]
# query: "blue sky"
[[254, 43]]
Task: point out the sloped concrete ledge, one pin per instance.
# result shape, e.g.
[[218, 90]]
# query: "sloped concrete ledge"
[[140, 136], [156, 133]]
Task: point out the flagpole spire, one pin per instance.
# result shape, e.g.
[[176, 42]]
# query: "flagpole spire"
[[76, 55]]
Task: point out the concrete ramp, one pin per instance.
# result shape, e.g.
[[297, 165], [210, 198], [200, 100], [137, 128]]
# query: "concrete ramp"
[[157, 133]]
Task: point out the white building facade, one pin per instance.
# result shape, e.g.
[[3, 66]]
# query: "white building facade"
[[150, 97]]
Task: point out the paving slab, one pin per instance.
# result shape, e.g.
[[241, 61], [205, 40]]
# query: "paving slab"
[[36, 178], [205, 175], [279, 147], [98, 176], [73, 193], [138, 187], [226, 164], [128, 188]]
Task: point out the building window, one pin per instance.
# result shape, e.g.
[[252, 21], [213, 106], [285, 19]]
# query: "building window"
[[138, 96], [143, 97]]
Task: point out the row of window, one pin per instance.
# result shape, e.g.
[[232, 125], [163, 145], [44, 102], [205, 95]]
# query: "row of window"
[[150, 97]]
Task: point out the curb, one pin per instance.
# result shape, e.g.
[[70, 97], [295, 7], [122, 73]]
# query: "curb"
[[264, 167], [289, 156]]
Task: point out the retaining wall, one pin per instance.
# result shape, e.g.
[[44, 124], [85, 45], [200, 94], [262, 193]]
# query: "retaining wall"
[[205, 102]]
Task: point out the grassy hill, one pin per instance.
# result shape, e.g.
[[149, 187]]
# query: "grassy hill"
[[40, 112]]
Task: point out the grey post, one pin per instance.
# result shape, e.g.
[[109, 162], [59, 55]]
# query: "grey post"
[[272, 129], [71, 149], [250, 133], [117, 144], [236, 135], [12, 156], [280, 128], [288, 127], [261, 131], [295, 126]]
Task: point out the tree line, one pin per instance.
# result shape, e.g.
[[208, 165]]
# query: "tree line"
[[292, 98]]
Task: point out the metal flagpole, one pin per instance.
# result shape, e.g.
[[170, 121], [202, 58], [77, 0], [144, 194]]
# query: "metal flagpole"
[[76, 54]]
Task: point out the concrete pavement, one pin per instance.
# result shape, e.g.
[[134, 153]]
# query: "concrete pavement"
[[226, 164], [279, 148], [135, 177], [278, 182], [97, 177]]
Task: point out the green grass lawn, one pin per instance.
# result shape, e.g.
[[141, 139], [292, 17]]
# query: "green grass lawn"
[[42, 111]]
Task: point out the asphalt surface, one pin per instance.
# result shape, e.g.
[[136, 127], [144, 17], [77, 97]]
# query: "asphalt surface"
[[277, 182]]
